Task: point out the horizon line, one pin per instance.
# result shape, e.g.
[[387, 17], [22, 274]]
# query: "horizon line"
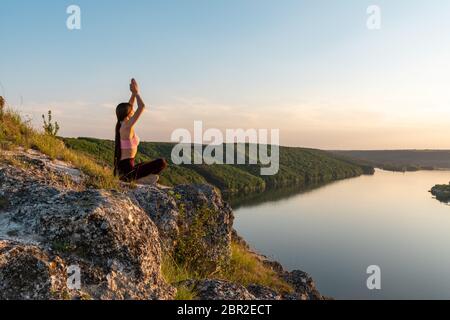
[[282, 146]]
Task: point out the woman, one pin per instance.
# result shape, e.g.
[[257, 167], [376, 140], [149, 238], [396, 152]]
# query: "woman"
[[127, 143]]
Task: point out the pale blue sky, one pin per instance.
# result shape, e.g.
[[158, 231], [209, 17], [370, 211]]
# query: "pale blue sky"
[[310, 68]]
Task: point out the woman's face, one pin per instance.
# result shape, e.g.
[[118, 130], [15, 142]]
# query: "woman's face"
[[131, 113]]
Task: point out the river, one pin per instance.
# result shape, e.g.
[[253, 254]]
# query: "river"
[[334, 232]]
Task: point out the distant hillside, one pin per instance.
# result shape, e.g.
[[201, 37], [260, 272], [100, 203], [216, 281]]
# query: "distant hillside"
[[298, 166], [401, 160]]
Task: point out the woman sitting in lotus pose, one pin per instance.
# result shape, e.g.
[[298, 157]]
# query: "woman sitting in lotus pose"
[[127, 143]]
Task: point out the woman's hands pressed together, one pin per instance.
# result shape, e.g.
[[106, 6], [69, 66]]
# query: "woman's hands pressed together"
[[134, 87]]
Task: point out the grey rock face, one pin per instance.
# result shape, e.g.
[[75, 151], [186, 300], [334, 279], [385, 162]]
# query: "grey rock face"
[[112, 241], [304, 286], [213, 289], [177, 211], [27, 272], [49, 222], [162, 209], [210, 289], [263, 293]]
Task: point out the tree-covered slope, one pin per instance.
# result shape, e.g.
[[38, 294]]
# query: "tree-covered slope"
[[298, 166]]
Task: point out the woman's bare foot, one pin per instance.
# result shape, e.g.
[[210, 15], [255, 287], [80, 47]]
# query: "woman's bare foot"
[[150, 180]]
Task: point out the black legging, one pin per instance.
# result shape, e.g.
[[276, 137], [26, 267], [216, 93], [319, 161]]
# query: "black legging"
[[130, 172]]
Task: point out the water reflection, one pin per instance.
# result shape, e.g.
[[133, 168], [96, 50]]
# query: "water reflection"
[[334, 232], [272, 195]]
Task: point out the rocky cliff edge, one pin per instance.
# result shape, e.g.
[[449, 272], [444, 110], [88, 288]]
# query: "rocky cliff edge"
[[61, 240]]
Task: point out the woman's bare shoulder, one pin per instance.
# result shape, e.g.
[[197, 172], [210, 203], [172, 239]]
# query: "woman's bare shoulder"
[[127, 124], [126, 129]]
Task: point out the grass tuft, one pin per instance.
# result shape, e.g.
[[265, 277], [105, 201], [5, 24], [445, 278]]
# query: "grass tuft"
[[185, 294], [174, 273], [247, 269]]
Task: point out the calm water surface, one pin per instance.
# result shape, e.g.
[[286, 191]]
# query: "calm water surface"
[[336, 231]]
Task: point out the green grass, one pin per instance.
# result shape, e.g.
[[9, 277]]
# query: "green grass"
[[244, 269], [174, 273], [15, 132], [185, 294]]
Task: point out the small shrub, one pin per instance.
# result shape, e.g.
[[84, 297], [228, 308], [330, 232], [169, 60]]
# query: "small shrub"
[[50, 128], [191, 245]]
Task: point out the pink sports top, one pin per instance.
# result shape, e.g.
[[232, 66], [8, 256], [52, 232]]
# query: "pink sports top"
[[130, 144]]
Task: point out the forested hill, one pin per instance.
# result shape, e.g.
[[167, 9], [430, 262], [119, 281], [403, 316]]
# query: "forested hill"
[[401, 160], [298, 166]]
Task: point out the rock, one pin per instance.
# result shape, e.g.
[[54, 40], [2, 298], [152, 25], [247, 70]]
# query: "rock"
[[112, 241], [40, 166], [263, 293], [114, 234], [236, 238], [212, 289], [162, 209], [27, 272], [269, 263], [190, 216], [304, 286]]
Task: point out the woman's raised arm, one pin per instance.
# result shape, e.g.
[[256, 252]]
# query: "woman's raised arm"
[[132, 99], [134, 87]]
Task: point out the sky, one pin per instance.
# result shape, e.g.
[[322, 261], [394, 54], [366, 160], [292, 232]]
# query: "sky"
[[311, 69]]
